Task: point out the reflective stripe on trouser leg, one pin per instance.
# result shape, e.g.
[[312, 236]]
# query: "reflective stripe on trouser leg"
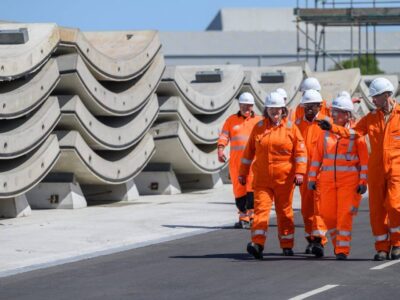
[[378, 215], [284, 214], [262, 208]]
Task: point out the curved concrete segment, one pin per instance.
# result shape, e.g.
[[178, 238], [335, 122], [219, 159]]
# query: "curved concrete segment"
[[19, 97], [19, 136], [116, 56], [108, 167], [19, 175], [18, 60], [107, 99], [201, 129], [108, 133], [202, 97], [174, 146], [333, 82], [293, 76]]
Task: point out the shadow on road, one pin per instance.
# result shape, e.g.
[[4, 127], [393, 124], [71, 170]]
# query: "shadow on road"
[[198, 227]]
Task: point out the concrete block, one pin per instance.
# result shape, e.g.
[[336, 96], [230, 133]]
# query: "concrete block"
[[62, 195], [158, 179], [199, 181], [120, 192], [224, 174], [14, 207]]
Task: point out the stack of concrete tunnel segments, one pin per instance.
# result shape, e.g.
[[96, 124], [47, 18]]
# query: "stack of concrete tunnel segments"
[[76, 109], [194, 102]]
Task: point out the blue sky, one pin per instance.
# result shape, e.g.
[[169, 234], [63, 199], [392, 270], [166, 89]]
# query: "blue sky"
[[164, 15]]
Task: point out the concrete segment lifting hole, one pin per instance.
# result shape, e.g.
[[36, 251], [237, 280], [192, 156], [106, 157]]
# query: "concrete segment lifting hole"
[[54, 199], [154, 186]]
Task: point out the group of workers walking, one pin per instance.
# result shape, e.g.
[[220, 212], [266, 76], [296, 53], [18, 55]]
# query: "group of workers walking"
[[322, 150]]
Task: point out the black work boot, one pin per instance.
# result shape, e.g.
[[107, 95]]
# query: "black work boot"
[[381, 255], [256, 250], [395, 254], [242, 225], [288, 252], [317, 248], [341, 256], [309, 246]]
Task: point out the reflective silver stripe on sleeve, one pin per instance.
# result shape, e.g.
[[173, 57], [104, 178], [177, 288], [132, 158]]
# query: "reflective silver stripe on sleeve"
[[319, 232], [343, 243], [245, 161], [287, 237], [352, 133], [344, 233], [223, 137], [363, 176], [301, 159], [340, 168], [326, 118], [315, 164], [237, 148], [289, 124], [380, 238], [364, 168], [394, 229], [225, 132], [312, 174], [240, 138], [341, 156], [258, 232], [332, 231]]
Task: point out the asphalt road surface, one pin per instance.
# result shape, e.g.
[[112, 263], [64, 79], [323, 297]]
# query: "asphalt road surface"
[[215, 265]]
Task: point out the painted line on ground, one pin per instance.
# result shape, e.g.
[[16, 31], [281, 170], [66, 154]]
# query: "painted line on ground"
[[314, 292], [388, 264]]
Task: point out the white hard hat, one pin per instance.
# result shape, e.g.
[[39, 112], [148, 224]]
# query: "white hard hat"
[[246, 98], [379, 86], [310, 83], [311, 96], [344, 94], [343, 103], [282, 92], [274, 100]]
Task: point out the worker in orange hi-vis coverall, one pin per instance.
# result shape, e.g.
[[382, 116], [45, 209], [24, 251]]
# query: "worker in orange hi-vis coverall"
[[311, 83], [382, 127], [342, 165], [236, 131], [280, 162], [311, 102]]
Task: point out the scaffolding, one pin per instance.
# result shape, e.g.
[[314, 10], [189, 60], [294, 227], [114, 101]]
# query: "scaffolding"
[[353, 14]]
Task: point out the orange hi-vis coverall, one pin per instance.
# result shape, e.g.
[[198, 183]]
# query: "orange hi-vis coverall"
[[279, 153], [236, 131], [342, 165], [383, 173], [309, 198]]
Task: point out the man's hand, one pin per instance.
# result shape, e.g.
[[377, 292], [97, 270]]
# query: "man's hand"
[[298, 179], [361, 189], [242, 180], [324, 124], [221, 155], [312, 185]]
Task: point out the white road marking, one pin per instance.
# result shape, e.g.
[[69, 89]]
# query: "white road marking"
[[382, 266], [314, 292]]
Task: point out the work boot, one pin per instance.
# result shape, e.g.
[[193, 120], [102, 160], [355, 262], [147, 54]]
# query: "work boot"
[[256, 250], [288, 252], [242, 225], [309, 246], [317, 248], [381, 255], [341, 256], [395, 254]]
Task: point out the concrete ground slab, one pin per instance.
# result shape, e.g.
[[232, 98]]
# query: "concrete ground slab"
[[19, 60], [19, 97], [51, 237], [111, 98], [106, 133], [116, 56]]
